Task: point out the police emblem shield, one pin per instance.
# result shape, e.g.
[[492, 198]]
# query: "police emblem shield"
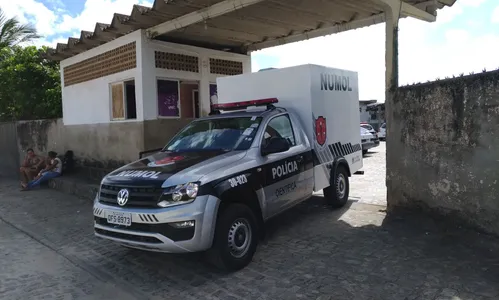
[[320, 130]]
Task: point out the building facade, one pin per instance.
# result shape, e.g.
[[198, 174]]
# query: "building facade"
[[133, 94], [132, 79], [372, 113]]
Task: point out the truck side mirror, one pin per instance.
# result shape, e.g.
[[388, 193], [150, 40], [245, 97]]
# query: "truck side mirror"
[[275, 145]]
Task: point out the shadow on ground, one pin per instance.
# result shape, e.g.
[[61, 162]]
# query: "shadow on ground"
[[369, 154], [309, 252]]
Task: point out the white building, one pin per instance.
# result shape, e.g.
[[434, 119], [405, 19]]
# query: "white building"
[[132, 79], [372, 113], [134, 93], [364, 114]]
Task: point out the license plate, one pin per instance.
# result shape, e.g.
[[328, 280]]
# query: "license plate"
[[119, 218]]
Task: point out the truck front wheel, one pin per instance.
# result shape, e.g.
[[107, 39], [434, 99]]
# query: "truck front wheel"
[[235, 239], [336, 194]]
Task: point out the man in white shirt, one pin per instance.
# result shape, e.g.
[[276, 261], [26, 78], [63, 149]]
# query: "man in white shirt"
[[52, 170]]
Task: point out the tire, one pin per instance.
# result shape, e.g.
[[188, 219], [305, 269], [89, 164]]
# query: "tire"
[[234, 220], [364, 152], [336, 194]]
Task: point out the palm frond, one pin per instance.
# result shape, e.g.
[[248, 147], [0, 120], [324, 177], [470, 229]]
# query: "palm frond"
[[13, 33]]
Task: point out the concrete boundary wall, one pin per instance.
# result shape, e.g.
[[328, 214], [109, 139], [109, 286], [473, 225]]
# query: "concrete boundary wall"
[[8, 150], [104, 146], [443, 149]]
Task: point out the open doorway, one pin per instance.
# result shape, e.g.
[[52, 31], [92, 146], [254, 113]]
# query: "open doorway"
[[189, 99], [123, 101], [130, 101], [195, 102]]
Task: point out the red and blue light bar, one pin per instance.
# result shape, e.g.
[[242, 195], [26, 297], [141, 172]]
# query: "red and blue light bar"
[[244, 104]]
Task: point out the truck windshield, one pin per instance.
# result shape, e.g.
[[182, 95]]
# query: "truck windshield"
[[216, 134]]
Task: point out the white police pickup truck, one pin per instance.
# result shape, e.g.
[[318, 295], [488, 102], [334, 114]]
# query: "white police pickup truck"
[[219, 179]]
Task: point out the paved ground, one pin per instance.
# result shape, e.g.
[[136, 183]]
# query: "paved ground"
[[48, 251], [371, 187]]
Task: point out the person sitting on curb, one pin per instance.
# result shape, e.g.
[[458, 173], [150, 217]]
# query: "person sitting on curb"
[[52, 170], [31, 166]]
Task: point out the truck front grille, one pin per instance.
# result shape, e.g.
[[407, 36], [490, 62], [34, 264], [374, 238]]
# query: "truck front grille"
[[139, 196]]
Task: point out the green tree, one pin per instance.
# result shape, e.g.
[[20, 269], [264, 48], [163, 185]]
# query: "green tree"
[[13, 33], [30, 85]]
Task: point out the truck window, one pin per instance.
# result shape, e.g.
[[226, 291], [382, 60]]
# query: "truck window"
[[280, 126], [216, 134]]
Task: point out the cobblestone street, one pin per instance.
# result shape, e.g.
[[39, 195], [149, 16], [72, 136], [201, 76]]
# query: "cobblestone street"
[[48, 251]]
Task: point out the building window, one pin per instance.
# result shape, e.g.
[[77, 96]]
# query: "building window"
[[168, 92], [123, 103]]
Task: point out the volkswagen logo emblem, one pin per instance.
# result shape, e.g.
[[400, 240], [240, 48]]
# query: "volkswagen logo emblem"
[[122, 197]]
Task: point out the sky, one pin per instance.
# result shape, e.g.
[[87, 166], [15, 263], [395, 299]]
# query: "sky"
[[464, 39]]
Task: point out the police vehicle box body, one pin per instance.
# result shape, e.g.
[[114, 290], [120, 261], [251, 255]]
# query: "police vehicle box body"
[[272, 139]]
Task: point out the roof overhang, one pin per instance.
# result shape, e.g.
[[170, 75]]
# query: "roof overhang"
[[242, 26]]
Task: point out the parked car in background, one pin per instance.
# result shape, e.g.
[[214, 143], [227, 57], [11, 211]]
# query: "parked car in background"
[[382, 132], [368, 127], [368, 139]]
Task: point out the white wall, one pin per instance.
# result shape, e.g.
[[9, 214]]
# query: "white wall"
[[89, 102]]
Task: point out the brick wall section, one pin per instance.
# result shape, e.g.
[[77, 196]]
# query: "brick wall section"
[[443, 149]]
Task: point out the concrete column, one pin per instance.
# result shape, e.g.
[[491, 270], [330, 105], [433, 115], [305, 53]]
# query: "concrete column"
[[204, 88], [147, 86], [392, 14], [139, 80]]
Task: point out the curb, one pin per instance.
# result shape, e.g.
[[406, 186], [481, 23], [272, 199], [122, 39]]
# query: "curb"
[[75, 188]]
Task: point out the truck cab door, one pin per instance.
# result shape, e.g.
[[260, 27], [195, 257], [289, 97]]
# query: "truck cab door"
[[284, 179]]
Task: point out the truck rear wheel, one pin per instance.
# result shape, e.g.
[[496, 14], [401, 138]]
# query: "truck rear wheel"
[[236, 238], [336, 194]]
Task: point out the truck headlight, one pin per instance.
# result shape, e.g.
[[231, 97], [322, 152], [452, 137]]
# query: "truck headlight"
[[180, 194]]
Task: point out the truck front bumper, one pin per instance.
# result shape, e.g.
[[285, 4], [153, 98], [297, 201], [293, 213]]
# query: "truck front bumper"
[[177, 229]]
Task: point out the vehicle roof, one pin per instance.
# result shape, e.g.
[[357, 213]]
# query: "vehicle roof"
[[364, 131], [247, 113]]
